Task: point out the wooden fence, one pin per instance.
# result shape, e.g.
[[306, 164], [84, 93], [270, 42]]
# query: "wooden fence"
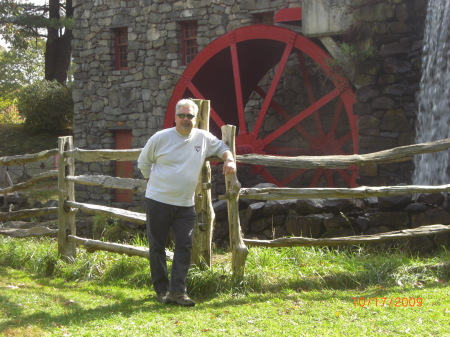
[[68, 206]]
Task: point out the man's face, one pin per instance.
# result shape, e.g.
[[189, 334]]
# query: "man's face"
[[184, 125]]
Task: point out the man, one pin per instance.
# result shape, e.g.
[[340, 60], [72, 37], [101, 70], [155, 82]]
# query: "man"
[[171, 161]]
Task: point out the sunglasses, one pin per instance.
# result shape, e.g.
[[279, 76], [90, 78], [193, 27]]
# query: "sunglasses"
[[183, 116]]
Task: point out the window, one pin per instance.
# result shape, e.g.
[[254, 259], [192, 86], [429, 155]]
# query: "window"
[[189, 41], [263, 17], [121, 48]]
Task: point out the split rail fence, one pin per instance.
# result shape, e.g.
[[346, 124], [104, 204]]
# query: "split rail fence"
[[68, 206]]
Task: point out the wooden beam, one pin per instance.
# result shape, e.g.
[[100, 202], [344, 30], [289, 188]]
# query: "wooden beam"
[[27, 213], [286, 193], [94, 245], [29, 184], [26, 158], [350, 240], [397, 154], [103, 155], [136, 185], [111, 211]]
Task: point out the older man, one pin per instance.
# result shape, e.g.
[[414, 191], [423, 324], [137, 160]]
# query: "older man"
[[171, 161]]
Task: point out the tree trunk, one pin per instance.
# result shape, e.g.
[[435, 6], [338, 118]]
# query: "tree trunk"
[[58, 49]]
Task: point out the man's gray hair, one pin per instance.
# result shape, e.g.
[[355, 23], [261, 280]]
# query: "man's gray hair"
[[186, 102]]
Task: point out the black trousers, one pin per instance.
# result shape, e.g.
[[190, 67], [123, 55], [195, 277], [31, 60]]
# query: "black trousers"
[[161, 218]]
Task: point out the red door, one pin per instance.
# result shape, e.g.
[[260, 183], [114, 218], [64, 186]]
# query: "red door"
[[124, 169]]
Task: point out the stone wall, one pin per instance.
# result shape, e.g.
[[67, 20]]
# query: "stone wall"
[[328, 218], [387, 83], [136, 99]]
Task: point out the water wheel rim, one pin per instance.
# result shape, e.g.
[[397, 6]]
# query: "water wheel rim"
[[225, 58]]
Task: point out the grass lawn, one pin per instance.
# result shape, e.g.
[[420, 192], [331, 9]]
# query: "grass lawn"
[[327, 294]]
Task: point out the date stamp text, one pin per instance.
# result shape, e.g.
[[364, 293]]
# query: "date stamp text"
[[398, 302]]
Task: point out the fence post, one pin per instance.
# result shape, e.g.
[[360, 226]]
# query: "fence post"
[[204, 223], [3, 179], [239, 251], [66, 191]]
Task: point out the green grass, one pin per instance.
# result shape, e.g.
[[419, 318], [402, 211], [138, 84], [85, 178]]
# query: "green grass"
[[286, 292]]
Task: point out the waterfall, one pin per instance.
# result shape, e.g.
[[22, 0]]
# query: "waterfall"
[[433, 118]]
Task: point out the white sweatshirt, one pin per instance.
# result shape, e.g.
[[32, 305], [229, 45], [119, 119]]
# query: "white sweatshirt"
[[173, 162]]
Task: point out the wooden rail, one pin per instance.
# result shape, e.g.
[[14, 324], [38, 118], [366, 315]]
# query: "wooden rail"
[[68, 207]]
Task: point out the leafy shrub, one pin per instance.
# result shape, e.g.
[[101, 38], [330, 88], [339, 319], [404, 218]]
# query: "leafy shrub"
[[10, 115], [47, 107]]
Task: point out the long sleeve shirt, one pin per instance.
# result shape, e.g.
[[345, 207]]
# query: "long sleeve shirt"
[[173, 162]]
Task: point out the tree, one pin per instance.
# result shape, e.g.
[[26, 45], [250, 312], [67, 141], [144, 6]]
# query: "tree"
[[22, 22], [18, 69]]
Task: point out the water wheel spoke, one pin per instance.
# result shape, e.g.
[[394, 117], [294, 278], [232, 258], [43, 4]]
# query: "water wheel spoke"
[[274, 84], [329, 178], [301, 116], [317, 174], [310, 91], [237, 83], [347, 178], [269, 177], [300, 129], [213, 114], [292, 176], [344, 139]]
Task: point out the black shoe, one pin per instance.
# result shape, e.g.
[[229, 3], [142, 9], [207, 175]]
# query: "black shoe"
[[163, 297], [180, 299]]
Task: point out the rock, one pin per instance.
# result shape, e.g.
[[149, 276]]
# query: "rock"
[[254, 211], [416, 207], [221, 210], [275, 207], [259, 225], [306, 226], [362, 222], [430, 217], [432, 198], [336, 205], [442, 239], [307, 206], [332, 222], [338, 233], [279, 232], [397, 202], [392, 219]]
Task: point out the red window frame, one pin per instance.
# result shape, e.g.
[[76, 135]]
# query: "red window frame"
[[189, 45], [121, 48]]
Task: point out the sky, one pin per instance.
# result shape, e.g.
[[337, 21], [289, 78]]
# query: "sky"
[[37, 2]]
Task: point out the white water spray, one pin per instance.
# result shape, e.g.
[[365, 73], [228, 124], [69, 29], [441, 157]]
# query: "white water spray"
[[433, 119]]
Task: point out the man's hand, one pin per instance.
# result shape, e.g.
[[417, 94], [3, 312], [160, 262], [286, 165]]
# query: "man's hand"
[[229, 167]]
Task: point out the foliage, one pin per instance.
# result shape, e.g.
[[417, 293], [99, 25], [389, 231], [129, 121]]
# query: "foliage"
[[19, 68], [357, 55], [352, 58], [111, 229], [286, 292], [15, 140], [47, 107], [22, 22], [10, 115], [267, 269]]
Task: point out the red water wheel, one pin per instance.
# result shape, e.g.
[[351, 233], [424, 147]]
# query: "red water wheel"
[[280, 91]]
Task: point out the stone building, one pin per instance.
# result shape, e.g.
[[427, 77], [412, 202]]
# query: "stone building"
[[134, 58]]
